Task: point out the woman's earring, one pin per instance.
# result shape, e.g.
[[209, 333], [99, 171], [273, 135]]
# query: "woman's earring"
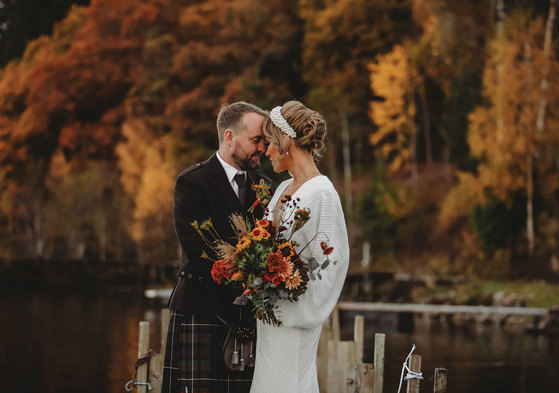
[[286, 153]]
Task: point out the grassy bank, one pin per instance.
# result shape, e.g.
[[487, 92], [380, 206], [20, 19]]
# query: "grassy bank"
[[498, 293]]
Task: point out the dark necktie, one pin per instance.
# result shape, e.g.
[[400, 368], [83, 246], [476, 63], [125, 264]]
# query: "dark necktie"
[[242, 183]]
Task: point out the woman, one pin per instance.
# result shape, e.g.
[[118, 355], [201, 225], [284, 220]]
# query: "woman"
[[286, 355]]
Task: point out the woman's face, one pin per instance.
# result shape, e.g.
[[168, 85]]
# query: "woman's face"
[[277, 159]]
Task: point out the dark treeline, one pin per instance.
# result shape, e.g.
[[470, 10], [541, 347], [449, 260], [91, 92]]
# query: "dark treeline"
[[442, 115]]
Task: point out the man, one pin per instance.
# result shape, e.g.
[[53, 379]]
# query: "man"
[[212, 189]]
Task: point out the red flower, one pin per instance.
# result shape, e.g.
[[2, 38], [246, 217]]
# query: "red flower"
[[325, 249], [278, 268], [274, 278], [221, 270]]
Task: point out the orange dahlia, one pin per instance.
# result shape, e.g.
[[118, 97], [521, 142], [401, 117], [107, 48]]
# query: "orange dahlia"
[[278, 264], [294, 280]]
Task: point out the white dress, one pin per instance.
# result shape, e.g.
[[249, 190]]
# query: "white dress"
[[286, 355]]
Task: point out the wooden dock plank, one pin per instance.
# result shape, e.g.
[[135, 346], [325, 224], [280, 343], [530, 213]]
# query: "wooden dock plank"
[[439, 308]]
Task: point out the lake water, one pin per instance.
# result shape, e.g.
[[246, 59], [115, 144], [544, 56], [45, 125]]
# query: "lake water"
[[69, 343]]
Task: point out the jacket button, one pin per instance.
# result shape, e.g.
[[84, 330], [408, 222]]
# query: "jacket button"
[[182, 273], [200, 278], [189, 275]]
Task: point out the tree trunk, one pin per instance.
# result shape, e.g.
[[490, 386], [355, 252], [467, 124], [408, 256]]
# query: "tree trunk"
[[540, 126], [530, 204], [413, 146], [426, 123], [103, 237], [413, 157], [500, 95], [347, 162], [446, 157], [540, 123], [529, 157]]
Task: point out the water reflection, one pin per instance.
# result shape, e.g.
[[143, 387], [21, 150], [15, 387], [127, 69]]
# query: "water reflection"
[[479, 358], [69, 343]]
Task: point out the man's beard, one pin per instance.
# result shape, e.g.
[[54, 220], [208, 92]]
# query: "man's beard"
[[245, 162]]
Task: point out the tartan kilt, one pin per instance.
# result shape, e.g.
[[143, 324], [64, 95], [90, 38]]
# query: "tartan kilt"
[[193, 362]]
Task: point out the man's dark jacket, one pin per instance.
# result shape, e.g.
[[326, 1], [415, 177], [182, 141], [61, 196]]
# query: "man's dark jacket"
[[201, 192]]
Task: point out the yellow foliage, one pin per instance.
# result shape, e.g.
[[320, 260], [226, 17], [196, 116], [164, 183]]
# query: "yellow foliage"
[[459, 200], [391, 79], [149, 178], [503, 134]]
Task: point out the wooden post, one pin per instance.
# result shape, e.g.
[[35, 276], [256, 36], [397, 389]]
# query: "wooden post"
[[143, 345], [359, 378], [359, 337], [415, 365], [336, 324], [340, 353], [440, 380], [165, 318], [379, 363], [322, 356]]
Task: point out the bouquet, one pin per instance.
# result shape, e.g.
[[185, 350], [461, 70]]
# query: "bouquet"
[[265, 262]]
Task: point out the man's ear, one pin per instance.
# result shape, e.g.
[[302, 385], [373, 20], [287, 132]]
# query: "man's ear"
[[228, 136]]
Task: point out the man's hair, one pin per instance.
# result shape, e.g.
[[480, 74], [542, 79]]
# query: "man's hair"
[[230, 116]]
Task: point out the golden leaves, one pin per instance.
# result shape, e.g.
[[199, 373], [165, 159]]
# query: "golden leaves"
[[391, 80]]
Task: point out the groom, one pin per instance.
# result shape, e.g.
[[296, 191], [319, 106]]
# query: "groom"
[[212, 189]]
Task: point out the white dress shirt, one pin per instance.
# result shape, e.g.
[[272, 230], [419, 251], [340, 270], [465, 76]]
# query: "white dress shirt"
[[231, 171]]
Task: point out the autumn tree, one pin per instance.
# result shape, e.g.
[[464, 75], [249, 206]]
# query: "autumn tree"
[[503, 134], [62, 99], [393, 112]]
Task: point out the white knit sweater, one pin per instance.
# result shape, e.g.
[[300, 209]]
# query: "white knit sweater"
[[286, 355]]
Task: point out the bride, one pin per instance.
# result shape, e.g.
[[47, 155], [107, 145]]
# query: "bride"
[[286, 354]]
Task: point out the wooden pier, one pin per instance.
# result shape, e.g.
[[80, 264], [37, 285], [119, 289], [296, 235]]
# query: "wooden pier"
[[340, 364]]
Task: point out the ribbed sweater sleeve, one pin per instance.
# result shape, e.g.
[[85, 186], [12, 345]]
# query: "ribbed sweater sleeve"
[[328, 224]]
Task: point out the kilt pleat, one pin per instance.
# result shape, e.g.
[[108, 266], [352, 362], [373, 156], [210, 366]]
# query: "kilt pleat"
[[192, 358]]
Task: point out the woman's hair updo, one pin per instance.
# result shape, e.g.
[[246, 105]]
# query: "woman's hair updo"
[[309, 126]]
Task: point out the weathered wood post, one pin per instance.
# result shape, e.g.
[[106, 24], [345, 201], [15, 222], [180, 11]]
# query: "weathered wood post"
[[359, 378], [340, 355], [336, 324], [440, 380], [359, 337], [143, 346], [415, 366], [379, 363], [165, 317], [322, 355]]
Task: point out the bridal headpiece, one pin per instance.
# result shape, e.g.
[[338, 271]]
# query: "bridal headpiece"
[[280, 122]]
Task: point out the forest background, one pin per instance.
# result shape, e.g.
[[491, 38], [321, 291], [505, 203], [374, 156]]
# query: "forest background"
[[443, 121]]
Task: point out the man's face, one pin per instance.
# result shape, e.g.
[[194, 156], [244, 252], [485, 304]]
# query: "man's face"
[[248, 145]]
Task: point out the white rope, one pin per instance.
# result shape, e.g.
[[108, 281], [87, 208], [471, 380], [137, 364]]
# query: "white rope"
[[411, 374]]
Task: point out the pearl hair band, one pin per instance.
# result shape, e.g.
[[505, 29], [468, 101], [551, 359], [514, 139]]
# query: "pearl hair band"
[[280, 122]]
